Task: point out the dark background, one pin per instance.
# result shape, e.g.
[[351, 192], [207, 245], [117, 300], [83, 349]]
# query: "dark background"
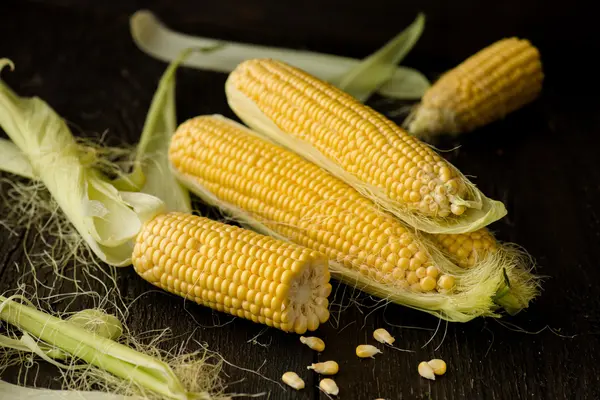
[[540, 161]]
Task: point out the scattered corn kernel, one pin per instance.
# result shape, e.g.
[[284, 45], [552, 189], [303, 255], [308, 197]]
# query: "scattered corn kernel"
[[367, 350], [329, 386], [438, 366], [325, 368], [426, 371], [383, 336], [293, 380], [313, 342]]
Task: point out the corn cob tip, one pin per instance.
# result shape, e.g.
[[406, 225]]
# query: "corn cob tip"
[[487, 86]]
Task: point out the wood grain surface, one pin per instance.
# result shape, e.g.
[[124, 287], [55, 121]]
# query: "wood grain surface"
[[541, 161]]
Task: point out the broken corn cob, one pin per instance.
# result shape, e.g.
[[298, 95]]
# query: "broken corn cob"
[[279, 193], [358, 145], [235, 270], [497, 80]]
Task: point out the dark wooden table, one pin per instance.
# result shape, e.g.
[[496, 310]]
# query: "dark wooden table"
[[541, 161]]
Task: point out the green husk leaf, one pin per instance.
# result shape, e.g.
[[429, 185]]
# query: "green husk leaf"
[[10, 391], [106, 218], [151, 167], [98, 322], [12, 160], [94, 349], [155, 39], [370, 74]]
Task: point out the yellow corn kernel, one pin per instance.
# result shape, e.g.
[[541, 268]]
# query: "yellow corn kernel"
[[279, 100], [367, 350], [383, 336], [325, 368], [296, 199], [313, 342], [495, 81], [329, 386], [466, 249], [438, 366], [196, 258], [426, 371], [293, 380]]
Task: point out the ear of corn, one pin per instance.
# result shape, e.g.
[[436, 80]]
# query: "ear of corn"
[[359, 146], [497, 80], [235, 270], [279, 193]]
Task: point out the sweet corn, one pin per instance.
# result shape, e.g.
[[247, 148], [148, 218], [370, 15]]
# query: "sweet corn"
[[467, 248], [281, 194], [497, 80], [358, 145], [325, 368], [299, 201], [235, 270], [313, 342]]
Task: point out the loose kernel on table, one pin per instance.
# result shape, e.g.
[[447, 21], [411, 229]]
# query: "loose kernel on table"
[[325, 368], [293, 380], [329, 386], [426, 371], [383, 336], [367, 350], [438, 366], [313, 342]]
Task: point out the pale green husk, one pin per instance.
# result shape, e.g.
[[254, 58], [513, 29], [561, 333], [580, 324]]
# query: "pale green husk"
[[151, 173], [368, 76], [480, 291], [481, 210], [379, 72], [66, 342], [10, 391], [106, 218]]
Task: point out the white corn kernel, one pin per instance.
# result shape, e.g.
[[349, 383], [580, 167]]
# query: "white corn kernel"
[[426, 371], [366, 350], [438, 366], [313, 342], [383, 336], [329, 386], [325, 368], [293, 380]]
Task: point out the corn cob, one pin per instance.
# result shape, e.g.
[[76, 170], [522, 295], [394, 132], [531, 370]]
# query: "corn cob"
[[279, 193], [358, 145], [466, 249], [497, 80], [234, 270]]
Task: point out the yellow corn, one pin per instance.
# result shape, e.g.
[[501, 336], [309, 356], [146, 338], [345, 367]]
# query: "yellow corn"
[[488, 85], [234, 270], [302, 202], [354, 143], [467, 248]]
